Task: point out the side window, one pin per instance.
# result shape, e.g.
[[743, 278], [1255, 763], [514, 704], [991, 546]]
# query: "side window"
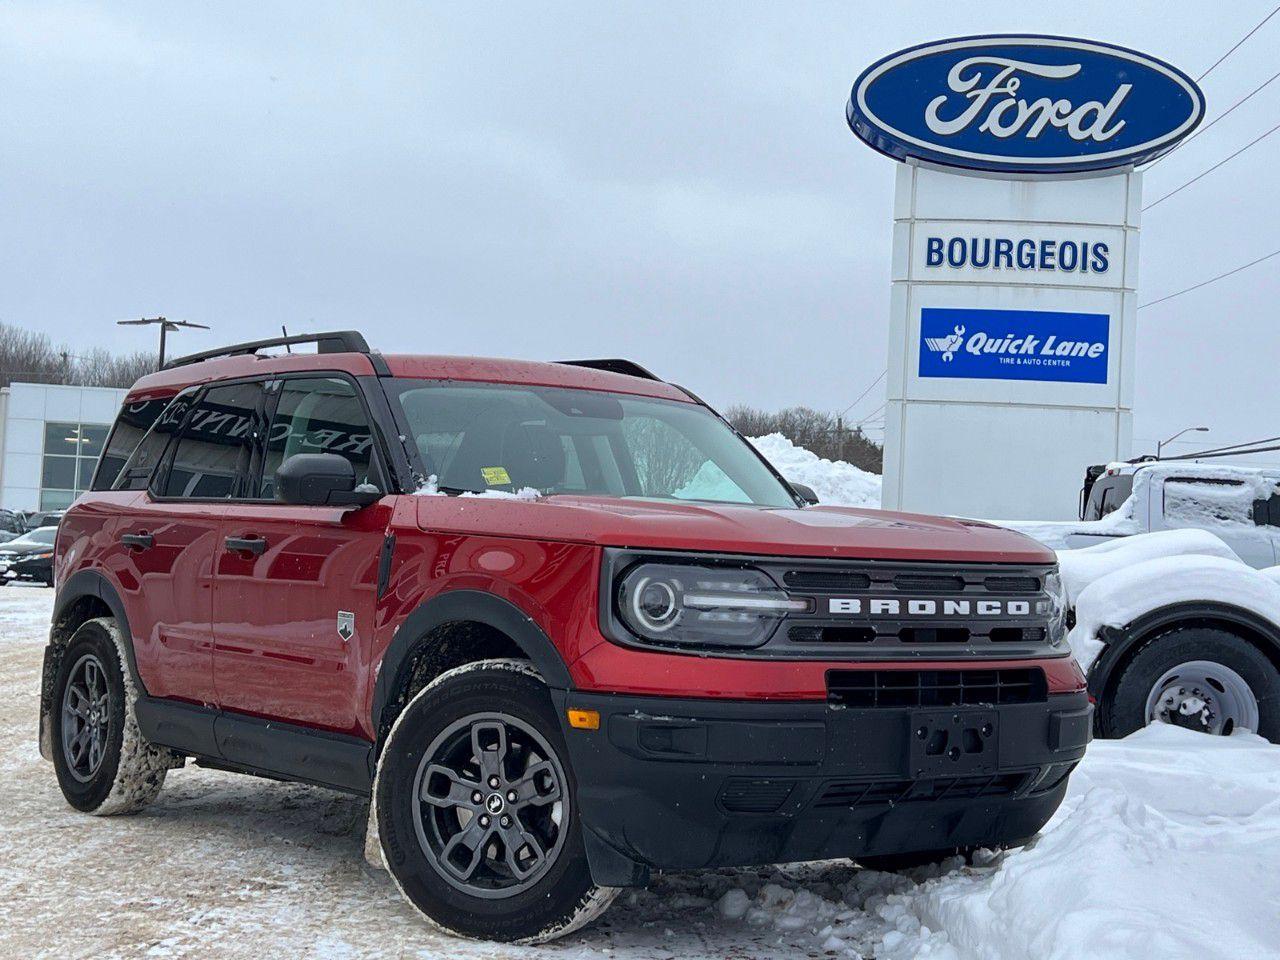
[[212, 457], [132, 424], [320, 415], [141, 464], [1206, 501]]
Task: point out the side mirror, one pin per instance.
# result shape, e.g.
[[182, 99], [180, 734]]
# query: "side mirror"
[[804, 492], [321, 480]]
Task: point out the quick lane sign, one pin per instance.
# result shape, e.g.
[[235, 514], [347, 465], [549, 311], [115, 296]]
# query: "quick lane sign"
[[1024, 104], [1013, 345]]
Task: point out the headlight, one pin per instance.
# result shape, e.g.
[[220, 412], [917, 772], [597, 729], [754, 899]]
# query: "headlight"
[[688, 606], [1057, 608]]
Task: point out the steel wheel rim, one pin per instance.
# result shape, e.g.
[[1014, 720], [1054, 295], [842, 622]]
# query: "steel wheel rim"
[[86, 718], [1205, 696], [473, 833]]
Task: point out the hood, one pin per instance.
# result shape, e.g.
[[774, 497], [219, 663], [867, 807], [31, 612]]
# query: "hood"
[[820, 532], [13, 548]]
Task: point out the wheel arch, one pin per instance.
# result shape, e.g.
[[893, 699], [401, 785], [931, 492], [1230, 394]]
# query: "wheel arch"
[[1122, 643], [84, 596], [422, 629]]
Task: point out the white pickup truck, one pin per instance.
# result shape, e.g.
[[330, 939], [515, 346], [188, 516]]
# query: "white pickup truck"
[[1240, 505]]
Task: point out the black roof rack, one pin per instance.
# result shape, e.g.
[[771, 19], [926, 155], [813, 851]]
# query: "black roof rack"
[[627, 367], [337, 341]]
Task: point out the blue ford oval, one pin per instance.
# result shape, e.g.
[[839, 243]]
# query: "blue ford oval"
[[1024, 104]]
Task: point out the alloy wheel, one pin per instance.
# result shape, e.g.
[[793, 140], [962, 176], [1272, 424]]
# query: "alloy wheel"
[[86, 718], [490, 805]]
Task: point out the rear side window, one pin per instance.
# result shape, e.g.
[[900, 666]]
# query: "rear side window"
[[141, 464], [212, 457], [318, 415], [1107, 495], [132, 424]]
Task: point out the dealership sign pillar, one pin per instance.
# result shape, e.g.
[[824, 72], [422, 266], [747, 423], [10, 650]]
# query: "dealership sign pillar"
[[1015, 242]]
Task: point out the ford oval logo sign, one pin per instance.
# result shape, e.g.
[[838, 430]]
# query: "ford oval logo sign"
[[1024, 104]]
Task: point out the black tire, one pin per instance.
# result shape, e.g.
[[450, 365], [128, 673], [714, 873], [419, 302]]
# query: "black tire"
[[555, 900], [129, 772], [1125, 709]]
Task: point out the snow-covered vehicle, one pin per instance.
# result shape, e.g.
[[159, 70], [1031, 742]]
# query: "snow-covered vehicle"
[[1171, 626], [1239, 505]]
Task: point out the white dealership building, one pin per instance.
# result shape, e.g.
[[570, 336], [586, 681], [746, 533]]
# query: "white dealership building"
[[50, 439]]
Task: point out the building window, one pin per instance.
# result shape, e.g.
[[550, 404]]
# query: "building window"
[[71, 451]]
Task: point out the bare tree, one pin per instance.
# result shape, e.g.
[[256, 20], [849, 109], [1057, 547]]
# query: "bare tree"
[[30, 357], [823, 433]]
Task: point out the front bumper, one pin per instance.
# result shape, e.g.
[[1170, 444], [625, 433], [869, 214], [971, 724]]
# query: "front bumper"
[[21, 569], [684, 784]]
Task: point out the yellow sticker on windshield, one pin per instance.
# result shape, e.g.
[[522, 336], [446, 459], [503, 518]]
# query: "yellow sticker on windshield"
[[495, 476]]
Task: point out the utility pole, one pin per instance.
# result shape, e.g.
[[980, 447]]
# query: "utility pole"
[[166, 327]]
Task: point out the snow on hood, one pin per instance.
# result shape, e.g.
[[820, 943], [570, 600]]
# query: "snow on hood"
[[1123, 595], [1082, 567]]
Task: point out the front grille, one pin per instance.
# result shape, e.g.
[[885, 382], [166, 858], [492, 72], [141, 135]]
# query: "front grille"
[[928, 583], [934, 634], [740, 795], [866, 793], [935, 688], [832, 634], [826, 581]]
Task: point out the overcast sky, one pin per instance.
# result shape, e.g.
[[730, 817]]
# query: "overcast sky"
[[673, 183]]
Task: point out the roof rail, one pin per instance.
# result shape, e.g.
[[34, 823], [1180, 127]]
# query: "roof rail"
[[337, 341], [626, 367]]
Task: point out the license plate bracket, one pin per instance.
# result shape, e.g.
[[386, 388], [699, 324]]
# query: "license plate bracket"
[[955, 742]]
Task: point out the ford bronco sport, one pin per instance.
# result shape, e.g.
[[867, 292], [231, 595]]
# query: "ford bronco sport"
[[559, 620]]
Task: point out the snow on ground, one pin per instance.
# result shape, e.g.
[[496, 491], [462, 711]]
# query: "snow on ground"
[[1165, 848], [837, 484]]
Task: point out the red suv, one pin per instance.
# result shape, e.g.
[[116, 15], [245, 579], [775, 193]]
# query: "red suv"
[[559, 620]]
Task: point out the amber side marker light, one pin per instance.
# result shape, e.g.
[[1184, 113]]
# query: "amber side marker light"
[[584, 719]]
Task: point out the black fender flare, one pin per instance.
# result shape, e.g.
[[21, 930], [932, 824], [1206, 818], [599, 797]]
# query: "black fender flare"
[[81, 584], [1120, 640], [91, 583], [458, 605]]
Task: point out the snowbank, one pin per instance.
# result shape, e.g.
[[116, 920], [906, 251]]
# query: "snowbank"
[[1165, 847], [837, 484]]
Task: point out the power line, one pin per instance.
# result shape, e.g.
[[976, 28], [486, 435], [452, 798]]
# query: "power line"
[[1225, 113], [1239, 42], [1211, 169], [865, 392], [1205, 283], [871, 414]]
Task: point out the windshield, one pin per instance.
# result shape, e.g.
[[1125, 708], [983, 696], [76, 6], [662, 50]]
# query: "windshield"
[[42, 537], [478, 437]]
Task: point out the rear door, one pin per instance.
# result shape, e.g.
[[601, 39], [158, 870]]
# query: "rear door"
[[296, 586], [166, 538]]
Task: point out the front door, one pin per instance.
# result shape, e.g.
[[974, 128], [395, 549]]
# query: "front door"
[[295, 586]]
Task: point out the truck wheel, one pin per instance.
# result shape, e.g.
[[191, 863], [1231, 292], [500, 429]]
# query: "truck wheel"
[[103, 765], [476, 812], [1200, 678]]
